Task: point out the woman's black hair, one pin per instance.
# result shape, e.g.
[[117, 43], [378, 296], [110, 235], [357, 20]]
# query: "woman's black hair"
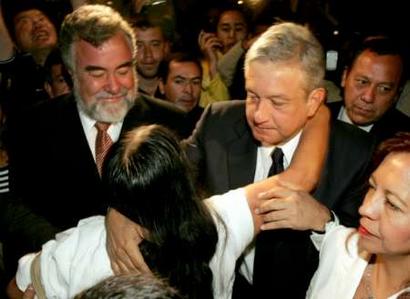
[[148, 180]]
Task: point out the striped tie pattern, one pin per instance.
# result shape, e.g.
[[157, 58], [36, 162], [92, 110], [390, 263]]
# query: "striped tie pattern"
[[103, 143]]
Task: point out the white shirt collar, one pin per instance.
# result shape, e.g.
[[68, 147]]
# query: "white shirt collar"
[[343, 116], [264, 160]]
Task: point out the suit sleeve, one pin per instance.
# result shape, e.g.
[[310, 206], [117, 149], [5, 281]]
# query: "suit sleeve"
[[343, 182]]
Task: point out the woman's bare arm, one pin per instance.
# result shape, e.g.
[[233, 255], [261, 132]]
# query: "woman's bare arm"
[[306, 166]]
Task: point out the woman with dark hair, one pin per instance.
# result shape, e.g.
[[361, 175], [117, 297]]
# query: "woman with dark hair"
[[193, 244], [374, 260], [149, 182]]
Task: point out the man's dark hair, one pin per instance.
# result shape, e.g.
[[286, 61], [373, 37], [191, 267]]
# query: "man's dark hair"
[[381, 45], [12, 8], [145, 22], [163, 69]]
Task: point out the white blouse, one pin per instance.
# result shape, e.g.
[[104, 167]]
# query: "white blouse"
[[77, 258]]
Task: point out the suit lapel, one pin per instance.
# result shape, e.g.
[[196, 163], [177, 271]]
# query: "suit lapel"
[[72, 132], [241, 157]]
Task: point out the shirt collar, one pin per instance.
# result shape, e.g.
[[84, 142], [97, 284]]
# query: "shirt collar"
[[343, 116], [288, 149]]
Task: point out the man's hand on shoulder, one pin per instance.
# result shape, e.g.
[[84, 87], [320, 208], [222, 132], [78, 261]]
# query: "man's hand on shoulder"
[[123, 237]]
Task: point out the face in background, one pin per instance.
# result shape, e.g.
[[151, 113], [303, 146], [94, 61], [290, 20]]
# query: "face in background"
[[371, 86], [183, 84], [231, 28], [34, 31], [385, 212], [277, 104], [152, 48], [104, 78], [58, 85]]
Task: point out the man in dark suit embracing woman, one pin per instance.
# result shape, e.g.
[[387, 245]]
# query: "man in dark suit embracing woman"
[[53, 153], [233, 144]]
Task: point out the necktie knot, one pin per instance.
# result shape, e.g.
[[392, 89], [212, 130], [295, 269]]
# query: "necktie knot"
[[277, 161], [102, 126], [103, 143]]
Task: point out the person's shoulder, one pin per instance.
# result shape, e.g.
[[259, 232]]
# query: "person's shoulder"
[[226, 110], [228, 106], [87, 229], [55, 104], [350, 132], [149, 110], [334, 108], [392, 122], [346, 137], [224, 119], [158, 104], [395, 116], [45, 112]]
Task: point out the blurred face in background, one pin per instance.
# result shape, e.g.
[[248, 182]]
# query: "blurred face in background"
[[231, 28], [34, 31], [57, 85], [371, 86], [183, 84], [152, 48]]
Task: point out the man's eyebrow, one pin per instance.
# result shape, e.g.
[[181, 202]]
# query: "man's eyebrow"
[[126, 64], [90, 68], [187, 78], [180, 77], [100, 68]]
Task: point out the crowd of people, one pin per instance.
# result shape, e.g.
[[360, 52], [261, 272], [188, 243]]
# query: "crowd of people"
[[220, 172]]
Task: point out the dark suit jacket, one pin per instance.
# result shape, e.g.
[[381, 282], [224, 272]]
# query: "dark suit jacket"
[[52, 169], [391, 122], [224, 149]]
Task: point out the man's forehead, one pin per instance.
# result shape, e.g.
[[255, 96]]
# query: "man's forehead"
[[184, 66], [154, 32], [88, 53], [28, 13], [368, 63]]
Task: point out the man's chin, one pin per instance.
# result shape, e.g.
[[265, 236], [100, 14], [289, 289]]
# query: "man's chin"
[[361, 120], [112, 112], [111, 116], [148, 74], [267, 140]]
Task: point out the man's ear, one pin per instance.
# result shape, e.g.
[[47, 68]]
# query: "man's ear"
[[344, 76], [315, 99]]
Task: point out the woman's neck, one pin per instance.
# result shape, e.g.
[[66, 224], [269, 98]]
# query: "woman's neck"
[[390, 275]]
